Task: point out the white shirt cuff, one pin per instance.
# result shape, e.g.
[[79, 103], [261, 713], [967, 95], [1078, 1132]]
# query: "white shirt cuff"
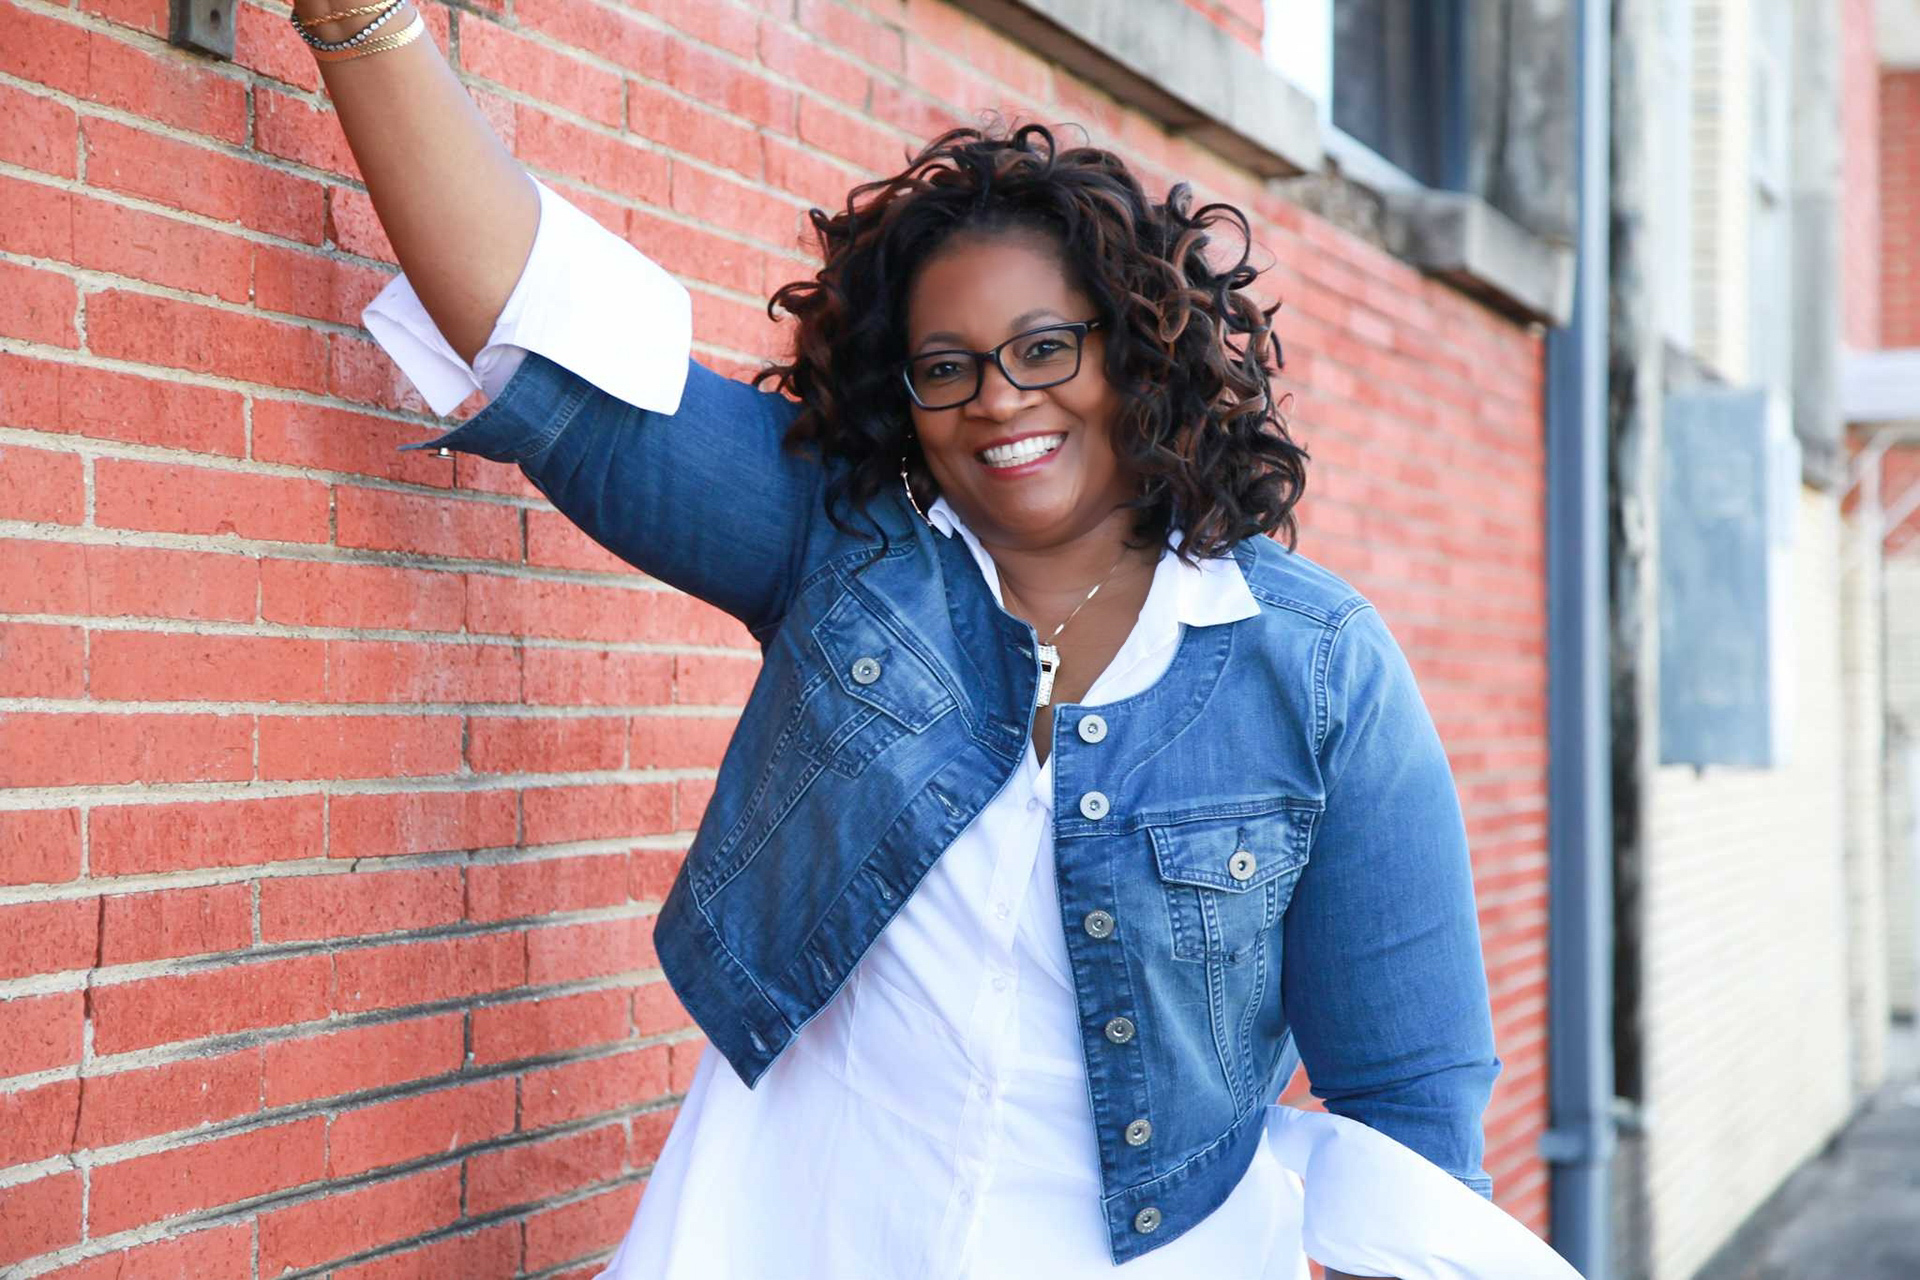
[[586, 299]]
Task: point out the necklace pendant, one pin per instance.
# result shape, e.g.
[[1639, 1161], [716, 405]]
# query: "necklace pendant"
[[1049, 663]]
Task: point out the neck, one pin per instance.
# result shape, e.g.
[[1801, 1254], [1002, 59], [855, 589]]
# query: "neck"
[[1045, 584]]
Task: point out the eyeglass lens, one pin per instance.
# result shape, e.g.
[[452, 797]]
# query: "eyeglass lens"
[[1043, 358]]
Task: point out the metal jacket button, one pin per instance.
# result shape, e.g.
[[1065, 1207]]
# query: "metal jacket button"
[[1138, 1132], [1092, 728], [865, 671], [1120, 1030], [1146, 1220], [1093, 805], [1240, 866], [1099, 924]]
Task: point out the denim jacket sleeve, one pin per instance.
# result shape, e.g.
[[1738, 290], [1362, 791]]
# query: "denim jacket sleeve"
[[670, 466], [1384, 981]]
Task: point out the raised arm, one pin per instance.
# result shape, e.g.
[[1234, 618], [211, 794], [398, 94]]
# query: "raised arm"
[[459, 210]]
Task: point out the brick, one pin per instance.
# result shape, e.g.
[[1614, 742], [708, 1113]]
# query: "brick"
[[222, 186], [36, 219], [149, 16], [328, 439], [39, 846], [348, 904], [419, 1125], [358, 746], [380, 520], [265, 42], [537, 1028], [850, 137], [172, 1097], [609, 163], [353, 226], [529, 1172], [813, 64], [313, 285], [687, 127], [42, 661], [359, 1058], [40, 485], [175, 922], [650, 1130], [693, 252], [162, 1010], [579, 611], [597, 1086], [164, 498], [348, 1222], [216, 1253], [37, 1123], [131, 1193], [163, 666], [38, 306], [879, 43], [720, 23], [651, 872], [714, 680], [38, 133], [391, 671], [683, 1060], [367, 826], [538, 71], [584, 1227], [721, 202], [39, 1033], [597, 811], [422, 972], [545, 744], [42, 50], [609, 33], [48, 937], [166, 87], [129, 839], [656, 1010], [679, 742], [64, 750], [42, 1215], [319, 593], [182, 335], [289, 128], [67, 399], [596, 677], [158, 583], [491, 1251], [691, 796], [816, 179], [599, 949], [360, 372], [508, 890], [706, 76]]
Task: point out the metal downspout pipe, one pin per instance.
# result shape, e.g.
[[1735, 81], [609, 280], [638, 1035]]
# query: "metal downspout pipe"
[[1580, 1141]]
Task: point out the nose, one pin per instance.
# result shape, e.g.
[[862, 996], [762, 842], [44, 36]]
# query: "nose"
[[999, 400]]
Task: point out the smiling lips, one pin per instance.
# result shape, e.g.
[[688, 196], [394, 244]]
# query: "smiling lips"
[[1020, 453]]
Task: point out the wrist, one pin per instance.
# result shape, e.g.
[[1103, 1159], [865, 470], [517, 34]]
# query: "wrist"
[[343, 28]]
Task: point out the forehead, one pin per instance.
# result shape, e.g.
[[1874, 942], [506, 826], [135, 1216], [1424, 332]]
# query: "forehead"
[[980, 289]]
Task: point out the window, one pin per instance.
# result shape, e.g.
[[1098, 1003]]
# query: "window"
[[1386, 74]]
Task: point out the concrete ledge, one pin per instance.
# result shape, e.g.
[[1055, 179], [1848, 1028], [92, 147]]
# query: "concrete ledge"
[[1880, 386], [1464, 240], [1166, 60], [1162, 58]]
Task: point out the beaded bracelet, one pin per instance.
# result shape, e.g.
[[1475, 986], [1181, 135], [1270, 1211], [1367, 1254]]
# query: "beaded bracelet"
[[362, 36], [406, 35]]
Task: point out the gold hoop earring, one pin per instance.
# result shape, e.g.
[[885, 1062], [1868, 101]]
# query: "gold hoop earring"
[[905, 484]]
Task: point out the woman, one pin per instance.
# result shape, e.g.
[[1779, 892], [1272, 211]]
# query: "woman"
[[1069, 812]]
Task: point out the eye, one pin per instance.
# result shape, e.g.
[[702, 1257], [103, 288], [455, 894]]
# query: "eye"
[[941, 370]]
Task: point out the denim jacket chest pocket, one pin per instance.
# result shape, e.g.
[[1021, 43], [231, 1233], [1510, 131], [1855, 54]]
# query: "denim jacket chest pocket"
[[1228, 879], [863, 688]]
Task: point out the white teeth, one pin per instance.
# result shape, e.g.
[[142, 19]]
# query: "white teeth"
[[1012, 455]]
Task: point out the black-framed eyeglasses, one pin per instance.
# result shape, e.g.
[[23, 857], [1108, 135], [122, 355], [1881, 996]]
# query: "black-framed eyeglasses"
[[1042, 357]]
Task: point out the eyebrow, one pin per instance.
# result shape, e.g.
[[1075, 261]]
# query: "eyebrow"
[[1021, 323]]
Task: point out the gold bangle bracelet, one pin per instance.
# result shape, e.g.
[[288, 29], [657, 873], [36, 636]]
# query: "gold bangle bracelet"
[[406, 35], [311, 23]]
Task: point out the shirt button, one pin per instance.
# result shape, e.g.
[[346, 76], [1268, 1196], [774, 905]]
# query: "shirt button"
[[1138, 1132], [999, 982], [865, 671], [1120, 1030], [1146, 1220], [1092, 728], [966, 1196], [1000, 910], [1093, 805], [981, 1091], [1240, 866], [1098, 924]]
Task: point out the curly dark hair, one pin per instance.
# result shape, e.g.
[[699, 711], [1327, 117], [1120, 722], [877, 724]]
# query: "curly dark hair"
[[1187, 347]]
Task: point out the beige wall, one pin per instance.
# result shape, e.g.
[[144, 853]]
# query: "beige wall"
[[1902, 845], [1747, 958]]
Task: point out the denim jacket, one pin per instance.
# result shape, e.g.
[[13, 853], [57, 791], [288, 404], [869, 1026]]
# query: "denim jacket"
[[1260, 859]]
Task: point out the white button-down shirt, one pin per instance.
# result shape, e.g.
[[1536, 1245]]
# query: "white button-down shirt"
[[933, 1119]]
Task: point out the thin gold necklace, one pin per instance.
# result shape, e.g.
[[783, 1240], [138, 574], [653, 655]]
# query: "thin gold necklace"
[[1049, 655]]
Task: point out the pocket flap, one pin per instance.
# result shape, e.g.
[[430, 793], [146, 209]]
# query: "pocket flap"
[[868, 661], [1234, 853]]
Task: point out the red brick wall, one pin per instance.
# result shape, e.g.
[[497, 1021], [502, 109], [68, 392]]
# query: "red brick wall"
[[338, 788], [1860, 176], [1900, 208]]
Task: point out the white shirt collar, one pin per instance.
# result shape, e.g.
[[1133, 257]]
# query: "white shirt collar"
[[1207, 593]]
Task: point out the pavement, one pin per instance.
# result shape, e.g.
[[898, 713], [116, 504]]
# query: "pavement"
[[1853, 1212]]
